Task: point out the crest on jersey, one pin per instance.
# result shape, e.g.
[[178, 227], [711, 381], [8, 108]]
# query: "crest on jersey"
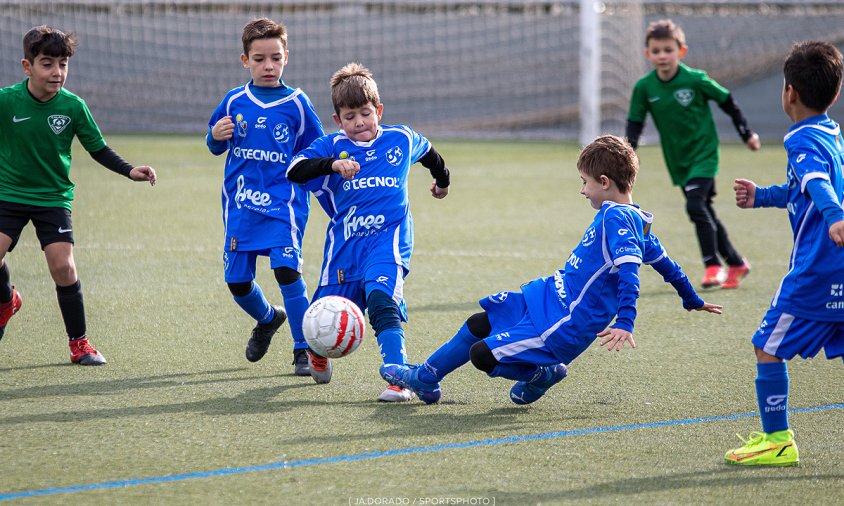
[[394, 156], [588, 236], [241, 125], [281, 133], [684, 96], [58, 122]]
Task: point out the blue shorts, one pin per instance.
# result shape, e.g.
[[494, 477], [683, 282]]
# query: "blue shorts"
[[783, 335], [515, 339], [386, 277], [240, 265]]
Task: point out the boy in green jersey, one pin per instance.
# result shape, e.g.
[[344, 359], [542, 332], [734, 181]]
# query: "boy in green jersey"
[[677, 97], [38, 121]]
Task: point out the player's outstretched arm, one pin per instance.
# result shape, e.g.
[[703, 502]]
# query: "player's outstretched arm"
[[143, 173], [745, 193], [616, 338], [710, 308]]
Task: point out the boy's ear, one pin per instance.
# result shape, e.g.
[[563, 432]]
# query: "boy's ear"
[[647, 53], [380, 111], [605, 182], [337, 120], [791, 94], [683, 51], [27, 67], [244, 59]]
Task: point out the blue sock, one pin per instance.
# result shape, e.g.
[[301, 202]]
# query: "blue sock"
[[256, 305], [772, 395], [296, 303], [448, 357], [391, 344], [516, 372]]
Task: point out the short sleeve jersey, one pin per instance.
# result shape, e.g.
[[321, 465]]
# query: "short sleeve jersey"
[[584, 293], [813, 287], [681, 113], [35, 145], [371, 221], [271, 126]]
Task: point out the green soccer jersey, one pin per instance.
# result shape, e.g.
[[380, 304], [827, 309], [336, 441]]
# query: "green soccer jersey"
[[35, 142], [680, 110]]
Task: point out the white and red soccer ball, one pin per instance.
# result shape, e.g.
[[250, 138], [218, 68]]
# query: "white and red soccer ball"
[[333, 326]]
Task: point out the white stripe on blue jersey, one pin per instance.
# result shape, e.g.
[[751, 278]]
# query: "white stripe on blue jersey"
[[813, 287], [271, 126], [584, 293]]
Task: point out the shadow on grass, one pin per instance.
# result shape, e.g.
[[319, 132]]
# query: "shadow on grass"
[[117, 386], [256, 401]]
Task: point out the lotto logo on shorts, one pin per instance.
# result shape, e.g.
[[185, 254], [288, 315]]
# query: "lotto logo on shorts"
[[499, 297]]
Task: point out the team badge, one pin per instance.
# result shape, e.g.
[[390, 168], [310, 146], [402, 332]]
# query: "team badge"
[[588, 236], [58, 122], [684, 96], [241, 125], [281, 133], [394, 156]]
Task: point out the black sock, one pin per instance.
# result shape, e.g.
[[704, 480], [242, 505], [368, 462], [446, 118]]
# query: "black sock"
[[73, 310], [5, 284]]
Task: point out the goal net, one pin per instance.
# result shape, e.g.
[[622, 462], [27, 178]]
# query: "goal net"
[[483, 68]]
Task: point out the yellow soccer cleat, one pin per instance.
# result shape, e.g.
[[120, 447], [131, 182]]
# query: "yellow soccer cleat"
[[775, 449]]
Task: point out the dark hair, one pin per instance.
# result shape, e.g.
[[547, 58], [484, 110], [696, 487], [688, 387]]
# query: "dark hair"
[[814, 70], [613, 157], [48, 41], [353, 86], [263, 28], [663, 29]]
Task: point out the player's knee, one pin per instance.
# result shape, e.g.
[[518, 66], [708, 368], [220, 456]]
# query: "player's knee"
[[478, 324], [63, 273], [286, 275], [482, 357], [383, 311], [240, 289], [696, 209]]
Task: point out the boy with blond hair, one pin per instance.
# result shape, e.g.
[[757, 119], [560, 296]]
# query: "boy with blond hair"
[[677, 97], [362, 173]]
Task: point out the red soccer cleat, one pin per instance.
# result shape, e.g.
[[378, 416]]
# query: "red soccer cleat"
[[8, 309], [735, 274], [82, 353]]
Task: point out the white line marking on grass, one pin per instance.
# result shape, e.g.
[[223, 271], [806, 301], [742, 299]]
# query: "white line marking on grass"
[[389, 453]]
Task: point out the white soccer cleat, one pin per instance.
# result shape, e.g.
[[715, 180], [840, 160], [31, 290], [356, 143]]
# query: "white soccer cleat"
[[320, 368], [396, 394]]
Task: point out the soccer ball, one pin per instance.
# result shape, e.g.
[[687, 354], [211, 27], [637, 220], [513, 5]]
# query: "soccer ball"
[[333, 326]]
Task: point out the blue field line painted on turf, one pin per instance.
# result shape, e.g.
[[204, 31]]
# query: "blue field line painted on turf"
[[389, 453]]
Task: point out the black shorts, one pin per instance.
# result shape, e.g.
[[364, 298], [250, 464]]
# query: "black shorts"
[[52, 224]]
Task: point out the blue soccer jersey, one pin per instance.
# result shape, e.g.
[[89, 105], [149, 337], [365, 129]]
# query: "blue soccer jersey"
[[370, 214], [569, 308], [813, 287], [261, 208]]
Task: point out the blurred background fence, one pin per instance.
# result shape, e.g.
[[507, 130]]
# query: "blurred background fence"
[[484, 68]]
